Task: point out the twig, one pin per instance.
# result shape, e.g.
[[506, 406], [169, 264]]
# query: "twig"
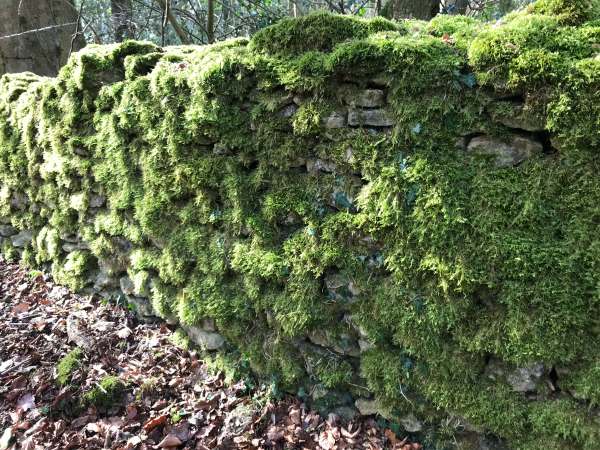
[[76, 28], [51, 27]]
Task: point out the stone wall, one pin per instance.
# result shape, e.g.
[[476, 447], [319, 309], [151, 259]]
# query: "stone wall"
[[393, 219]]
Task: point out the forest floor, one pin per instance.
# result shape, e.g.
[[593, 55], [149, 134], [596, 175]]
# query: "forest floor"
[[125, 385]]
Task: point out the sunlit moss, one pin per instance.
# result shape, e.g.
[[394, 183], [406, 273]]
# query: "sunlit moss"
[[226, 189]]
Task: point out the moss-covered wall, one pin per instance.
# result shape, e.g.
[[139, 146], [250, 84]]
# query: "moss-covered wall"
[[402, 217]]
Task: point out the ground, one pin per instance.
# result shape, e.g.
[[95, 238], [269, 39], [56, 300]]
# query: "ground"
[[76, 372]]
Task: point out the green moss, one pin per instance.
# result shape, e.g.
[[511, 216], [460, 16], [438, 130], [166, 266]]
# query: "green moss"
[[72, 271], [107, 393], [67, 365], [249, 211], [316, 31], [571, 12]]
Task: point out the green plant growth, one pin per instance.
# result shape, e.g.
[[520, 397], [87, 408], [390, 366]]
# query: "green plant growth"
[[239, 183], [67, 365], [106, 393]]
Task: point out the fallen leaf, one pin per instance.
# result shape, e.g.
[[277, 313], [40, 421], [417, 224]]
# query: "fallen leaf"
[[20, 308], [391, 436], [170, 440], [155, 422]]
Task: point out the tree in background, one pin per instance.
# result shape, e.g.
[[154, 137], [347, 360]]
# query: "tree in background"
[[122, 19], [414, 9], [38, 35]]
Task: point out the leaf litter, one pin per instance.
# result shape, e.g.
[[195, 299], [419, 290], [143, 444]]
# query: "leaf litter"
[[170, 399]]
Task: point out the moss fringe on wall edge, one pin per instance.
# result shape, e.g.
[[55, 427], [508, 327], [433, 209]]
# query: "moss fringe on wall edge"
[[399, 218]]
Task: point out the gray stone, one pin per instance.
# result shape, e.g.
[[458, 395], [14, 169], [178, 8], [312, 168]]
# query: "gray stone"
[[72, 246], [112, 265], [22, 238], [221, 149], [7, 230], [343, 343], [81, 151], [526, 379], [97, 201], [288, 110], [514, 115], [348, 413], [142, 306], [365, 345], [367, 98], [336, 119], [411, 423], [207, 340], [73, 238], [127, 285], [505, 154], [370, 407], [370, 118], [104, 281], [319, 165], [19, 200]]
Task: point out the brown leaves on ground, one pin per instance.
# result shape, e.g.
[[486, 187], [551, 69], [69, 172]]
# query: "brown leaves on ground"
[[171, 400]]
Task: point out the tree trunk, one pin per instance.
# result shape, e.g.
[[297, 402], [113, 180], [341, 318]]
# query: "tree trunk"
[[460, 7], [122, 19], [37, 35], [210, 22], [411, 9]]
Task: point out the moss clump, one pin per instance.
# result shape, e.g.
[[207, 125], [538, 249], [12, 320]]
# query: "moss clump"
[[67, 365], [317, 31], [571, 12], [239, 179], [106, 393]]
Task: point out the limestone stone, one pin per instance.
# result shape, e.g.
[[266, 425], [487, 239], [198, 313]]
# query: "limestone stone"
[[348, 413], [370, 407], [367, 98], [7, 230], [113, 265], [411, 423], [365, 345], [142, 306], [22, 238], [19, 200], [71, 246], [207, 340], [526, 379], [337, 119], [104, 280], [288, 110], [370, 118], [505, 154], [127, 285], [319, 165]]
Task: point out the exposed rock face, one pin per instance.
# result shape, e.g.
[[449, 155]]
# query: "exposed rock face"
[[370, 118], [22, 238], [526, 379], [368, 98], [336, 119], [207, 340], [505, 154], [7, 230]]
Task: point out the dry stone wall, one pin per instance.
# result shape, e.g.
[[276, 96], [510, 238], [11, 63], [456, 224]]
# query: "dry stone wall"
[[387, 218]]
